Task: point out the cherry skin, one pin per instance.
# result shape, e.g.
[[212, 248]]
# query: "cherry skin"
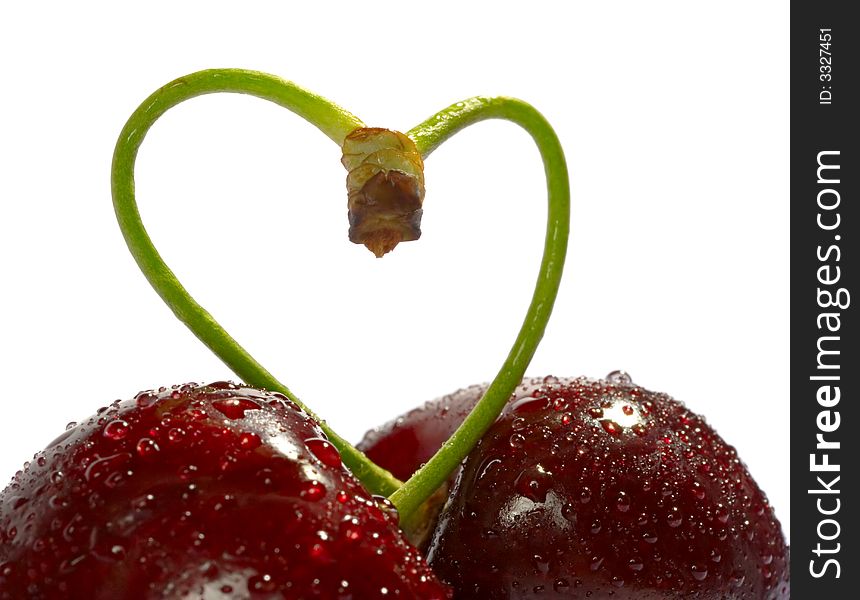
[[214, 491], [404, 444], [595, 489]]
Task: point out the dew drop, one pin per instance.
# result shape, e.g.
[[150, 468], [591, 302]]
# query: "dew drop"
[[319, 553], [176, 435], [568, 512], [699, 571], [527, 404], [674, 518], [488, 466], [386, 508], [352, 530], [261, 584], [249, 440], [197, 415], [235, 408], [639, 429], [611, 427], [585, 495], [619, 378], [147, 447], [622, 503], [116, 430], [635, 564], [313, 491], [187, 472], [98, 469], [517, 440], [533, 483], [145, 399], [325, 452], [71, 425]]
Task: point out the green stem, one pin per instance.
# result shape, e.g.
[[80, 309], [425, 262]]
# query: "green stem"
[[332, 120], [428, 136]]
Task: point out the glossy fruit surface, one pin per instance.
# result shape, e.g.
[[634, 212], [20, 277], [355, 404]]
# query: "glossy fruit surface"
[[404, 444], [214, 491], [597, 489]]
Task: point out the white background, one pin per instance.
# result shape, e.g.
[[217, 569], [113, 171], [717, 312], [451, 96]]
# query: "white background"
[[674, 117]]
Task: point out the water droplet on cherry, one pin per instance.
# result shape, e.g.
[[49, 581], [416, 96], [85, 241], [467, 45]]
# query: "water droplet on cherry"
[[674, 518], [313, 491], [145, 399], [533, 483], [147, 447], [235, 408], [527, 405], [261, 584], [611, 427], [700, 572], [249, 441], [116, 429], [176, 435], [619, 378]]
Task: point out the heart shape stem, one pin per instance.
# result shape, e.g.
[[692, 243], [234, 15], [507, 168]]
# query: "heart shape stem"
[[337, 123]]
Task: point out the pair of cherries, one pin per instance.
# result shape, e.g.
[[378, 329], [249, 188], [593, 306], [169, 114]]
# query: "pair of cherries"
[[581, 489], [547, 487]]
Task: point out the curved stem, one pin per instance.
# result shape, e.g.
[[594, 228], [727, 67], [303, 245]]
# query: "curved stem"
[[427, 136], [332, 120]]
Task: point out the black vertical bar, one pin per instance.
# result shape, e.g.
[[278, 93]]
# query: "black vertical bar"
[[825, 366]]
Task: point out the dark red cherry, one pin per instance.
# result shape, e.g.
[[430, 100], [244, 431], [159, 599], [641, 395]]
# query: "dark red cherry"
[[404, 444], [214, 491], [598, 489]]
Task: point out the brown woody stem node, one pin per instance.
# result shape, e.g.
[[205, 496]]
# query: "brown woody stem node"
[[385, 188]]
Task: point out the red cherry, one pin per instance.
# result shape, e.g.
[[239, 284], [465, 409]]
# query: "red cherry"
[[200, 491], [404, 444], [594, 489]]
